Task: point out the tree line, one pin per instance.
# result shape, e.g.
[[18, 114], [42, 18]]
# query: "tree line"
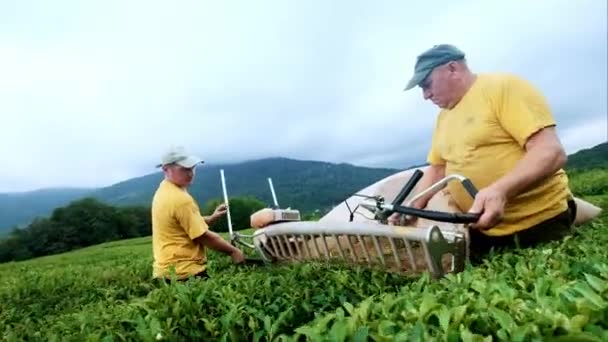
[[88, 221]]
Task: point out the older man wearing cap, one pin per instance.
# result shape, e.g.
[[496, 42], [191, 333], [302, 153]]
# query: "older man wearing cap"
[[498, 130], [179, 232]]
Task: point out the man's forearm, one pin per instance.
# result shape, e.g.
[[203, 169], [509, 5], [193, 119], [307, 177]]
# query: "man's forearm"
[[216, 242], [536, 165], [209, 219]]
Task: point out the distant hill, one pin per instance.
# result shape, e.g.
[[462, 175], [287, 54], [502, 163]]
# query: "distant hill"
[[307, 185], [589, 158], [301, 184], [20, 207]]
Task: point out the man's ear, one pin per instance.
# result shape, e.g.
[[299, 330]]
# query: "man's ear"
[[454, 66]]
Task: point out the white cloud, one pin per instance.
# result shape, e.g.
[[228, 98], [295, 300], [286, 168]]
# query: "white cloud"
[[92, 92], [585, 135]]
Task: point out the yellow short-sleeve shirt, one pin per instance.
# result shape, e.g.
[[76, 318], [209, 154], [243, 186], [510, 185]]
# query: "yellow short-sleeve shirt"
[[176, 222], [483, 137]]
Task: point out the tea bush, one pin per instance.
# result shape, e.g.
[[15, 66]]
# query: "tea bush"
[[105, 293]]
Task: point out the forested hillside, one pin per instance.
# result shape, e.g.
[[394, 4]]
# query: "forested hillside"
[[306, 185], [590, 158], [21, 208]]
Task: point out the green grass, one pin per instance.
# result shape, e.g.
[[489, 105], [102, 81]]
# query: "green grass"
[[105, 293]]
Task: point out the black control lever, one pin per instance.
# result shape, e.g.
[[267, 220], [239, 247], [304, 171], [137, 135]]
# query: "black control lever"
[[409, 186], [437, 215], [405, 191], [469, 187], [387, 209]]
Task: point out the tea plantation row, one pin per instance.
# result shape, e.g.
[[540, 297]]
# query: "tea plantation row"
[[104, 293]]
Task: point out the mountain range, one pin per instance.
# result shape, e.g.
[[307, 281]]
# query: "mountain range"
[[302, 184]]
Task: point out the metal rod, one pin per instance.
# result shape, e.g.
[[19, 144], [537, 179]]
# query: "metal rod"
[[352, 250], [327, 252], [364, 248], [410, 254], [305, 246], [339, 227], [297, 247], [317, 249], [433, 270], [281, 247], [288, 244], [380, 252], [246, 244], [272, 251], [337, 237], [245, 235], [438, 185], [226, 202], [275, 247], [274, 196], [395, 253]]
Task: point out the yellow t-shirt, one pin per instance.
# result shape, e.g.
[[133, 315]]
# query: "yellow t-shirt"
[[483, 138], [176, 222]]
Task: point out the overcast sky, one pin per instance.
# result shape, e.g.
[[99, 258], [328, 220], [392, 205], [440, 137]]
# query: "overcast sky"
[[92, 92]]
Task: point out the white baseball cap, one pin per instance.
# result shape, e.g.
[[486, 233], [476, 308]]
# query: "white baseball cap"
[[178, 155]]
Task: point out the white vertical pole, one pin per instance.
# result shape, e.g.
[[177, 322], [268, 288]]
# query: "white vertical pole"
[[226, 202], [274, 196]]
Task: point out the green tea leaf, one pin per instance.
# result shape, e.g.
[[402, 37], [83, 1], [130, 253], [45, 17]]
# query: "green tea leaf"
[[362, 334], [467, 336], [596, 283], [503, 318], [387, 328], [444, 319], [310, 333], [592, 297], [338, 331], [576, 337], [349, 308], [428, 305], [416, 334], [458, 314]]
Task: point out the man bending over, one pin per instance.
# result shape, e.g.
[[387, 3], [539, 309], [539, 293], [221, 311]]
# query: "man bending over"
[[497, 130]]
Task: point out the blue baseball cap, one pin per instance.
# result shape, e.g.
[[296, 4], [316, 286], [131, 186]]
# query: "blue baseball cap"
[[432, 58]]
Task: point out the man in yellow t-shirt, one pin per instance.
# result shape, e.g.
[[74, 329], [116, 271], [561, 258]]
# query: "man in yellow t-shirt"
[[180, 233], [497, 130]]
